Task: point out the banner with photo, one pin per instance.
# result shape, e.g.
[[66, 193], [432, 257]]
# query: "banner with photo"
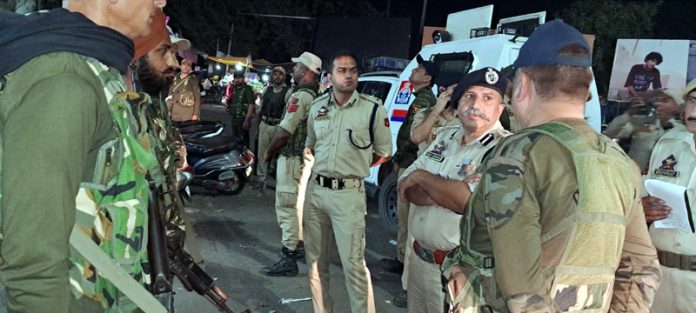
[[641, 65]]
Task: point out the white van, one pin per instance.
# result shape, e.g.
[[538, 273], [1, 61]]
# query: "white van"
[[393, 88]]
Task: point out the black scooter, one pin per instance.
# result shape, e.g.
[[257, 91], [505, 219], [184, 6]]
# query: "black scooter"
[[219, 164]]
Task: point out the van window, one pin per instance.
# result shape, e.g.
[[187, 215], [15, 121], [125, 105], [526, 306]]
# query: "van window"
[[376, 89]]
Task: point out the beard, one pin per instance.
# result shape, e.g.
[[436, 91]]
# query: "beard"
[[152, 81]]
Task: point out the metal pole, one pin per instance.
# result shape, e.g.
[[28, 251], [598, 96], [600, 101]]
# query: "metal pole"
[[229, 46], [388, 7], [422, 23]]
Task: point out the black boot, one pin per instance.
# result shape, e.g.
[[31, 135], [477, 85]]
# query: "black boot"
[[287, 266], [300, 253]]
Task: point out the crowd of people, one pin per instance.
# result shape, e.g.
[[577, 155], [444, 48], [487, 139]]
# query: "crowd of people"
[[538, 213]]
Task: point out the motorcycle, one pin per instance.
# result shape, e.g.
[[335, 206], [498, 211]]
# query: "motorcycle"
[[219, 164], [199, 129]]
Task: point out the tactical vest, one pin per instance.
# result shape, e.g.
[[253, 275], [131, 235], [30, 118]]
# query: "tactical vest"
[[587, 267], [112, 208], [296, 143], [274, 102], [236, 107]]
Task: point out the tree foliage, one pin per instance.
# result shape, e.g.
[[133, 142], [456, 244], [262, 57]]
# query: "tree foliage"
[[610, 20], [274, 38]]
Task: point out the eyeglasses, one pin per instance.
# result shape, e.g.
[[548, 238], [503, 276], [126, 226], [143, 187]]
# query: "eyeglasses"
[[691, 100]]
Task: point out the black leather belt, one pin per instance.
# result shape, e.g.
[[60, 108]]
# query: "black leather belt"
[[270, 121], [676, 260], [338, 183]]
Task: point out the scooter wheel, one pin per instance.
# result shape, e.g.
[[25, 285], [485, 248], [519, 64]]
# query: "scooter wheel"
[[234, 185]]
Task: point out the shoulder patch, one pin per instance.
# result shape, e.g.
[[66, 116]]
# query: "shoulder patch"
[[292, 104]]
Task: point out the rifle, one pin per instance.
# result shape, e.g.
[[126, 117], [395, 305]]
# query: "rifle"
[[180, 263]]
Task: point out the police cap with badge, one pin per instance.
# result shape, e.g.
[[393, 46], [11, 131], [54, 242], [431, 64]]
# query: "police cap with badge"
[[486, 77]]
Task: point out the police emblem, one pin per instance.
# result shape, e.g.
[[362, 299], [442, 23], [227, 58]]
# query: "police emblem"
[[322, 112], [436, 153], [667, 167], [491, 76]]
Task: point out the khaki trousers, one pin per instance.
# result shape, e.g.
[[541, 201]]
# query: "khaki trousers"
[[677, 292], [402, 210], [265, 136], [291, 181], [425, 293], [343, 213]]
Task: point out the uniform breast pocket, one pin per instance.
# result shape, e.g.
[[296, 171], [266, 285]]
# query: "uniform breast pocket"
[[322, 129], [358, 137]]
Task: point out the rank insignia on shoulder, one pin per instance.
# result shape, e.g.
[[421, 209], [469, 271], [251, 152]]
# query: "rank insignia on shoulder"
[[667, 167]]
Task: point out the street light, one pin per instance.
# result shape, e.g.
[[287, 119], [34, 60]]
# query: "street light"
[[238, 66], [218, 67], [264, 77]]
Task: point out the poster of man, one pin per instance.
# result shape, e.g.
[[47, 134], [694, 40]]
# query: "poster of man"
[[642, 65]]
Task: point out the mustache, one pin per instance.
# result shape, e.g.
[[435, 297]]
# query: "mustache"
[[691, 119], [476, 112], [169, 71]]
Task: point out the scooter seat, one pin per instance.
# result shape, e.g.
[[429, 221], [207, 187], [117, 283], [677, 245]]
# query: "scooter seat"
[[210, 146], [189, 127]]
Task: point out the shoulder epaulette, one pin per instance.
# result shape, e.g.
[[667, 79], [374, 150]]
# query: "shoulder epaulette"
[[369, 98]]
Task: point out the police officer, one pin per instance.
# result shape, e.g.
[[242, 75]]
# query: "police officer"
[[346, 132], [239, 101], [454, 155], [558, 205], [428, 122], [673, 160], [422, 79], [272, 105], [289, 140]]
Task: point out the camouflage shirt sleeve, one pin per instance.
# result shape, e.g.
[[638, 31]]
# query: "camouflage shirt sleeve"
[[513, 217], [638, 274]]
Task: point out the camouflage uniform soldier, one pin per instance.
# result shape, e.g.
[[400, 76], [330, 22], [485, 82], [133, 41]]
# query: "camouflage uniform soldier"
[[455, 154], [673, 160], [422, 78], [272, 106], [346, 132], [535, 239], [64, 85], [293, 170], [240, 105]]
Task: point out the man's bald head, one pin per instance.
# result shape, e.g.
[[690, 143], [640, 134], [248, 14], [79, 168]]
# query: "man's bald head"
[[131, 18]]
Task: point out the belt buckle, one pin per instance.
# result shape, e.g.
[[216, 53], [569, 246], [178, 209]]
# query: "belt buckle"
[[320, 180], [334, 184]]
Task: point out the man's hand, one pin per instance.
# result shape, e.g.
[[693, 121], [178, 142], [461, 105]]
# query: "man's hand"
[[655, 209], [456, 283], [411, 191], [443, 99]]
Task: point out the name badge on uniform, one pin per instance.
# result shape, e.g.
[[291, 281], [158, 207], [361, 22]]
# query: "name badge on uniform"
[[323, 111], [667, 167], [436, 154], [465, 166]]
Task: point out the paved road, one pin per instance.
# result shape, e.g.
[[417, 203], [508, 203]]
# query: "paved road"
[[239, 235]]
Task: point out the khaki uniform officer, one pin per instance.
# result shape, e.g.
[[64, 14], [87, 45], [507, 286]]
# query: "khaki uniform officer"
[[673, 160], [293, 171], [272, 106], [346, 132], [454, 155], [555, 224]]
